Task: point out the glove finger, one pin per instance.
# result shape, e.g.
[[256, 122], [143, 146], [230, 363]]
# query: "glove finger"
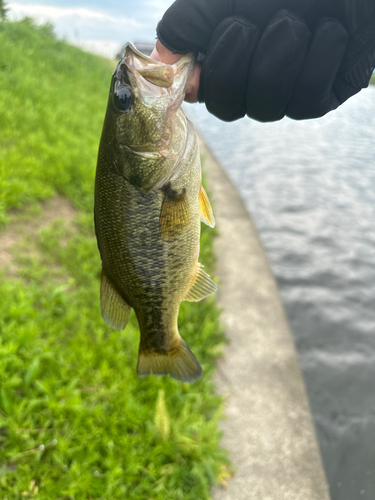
[[359, 60], [223, 78], [188, 25], [343, 90], [277, 61], [313, 95], [262, 11]]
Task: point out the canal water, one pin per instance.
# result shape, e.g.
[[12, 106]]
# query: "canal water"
[[310, 189]]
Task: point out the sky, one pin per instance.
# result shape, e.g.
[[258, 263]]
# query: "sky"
[[98, 26]]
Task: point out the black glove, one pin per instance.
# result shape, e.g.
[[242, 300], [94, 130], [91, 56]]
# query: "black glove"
[[271, 58]]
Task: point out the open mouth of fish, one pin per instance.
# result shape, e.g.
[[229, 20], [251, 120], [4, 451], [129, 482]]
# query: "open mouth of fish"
[[140, 78], [159, 74]]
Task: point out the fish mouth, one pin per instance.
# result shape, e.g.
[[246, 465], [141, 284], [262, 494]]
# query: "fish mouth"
[[155, 72], [152, 81]]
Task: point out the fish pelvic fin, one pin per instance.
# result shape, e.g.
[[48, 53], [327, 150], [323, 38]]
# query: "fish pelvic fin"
[[203, 286], [115, 311], [178, 362], [205, 208]]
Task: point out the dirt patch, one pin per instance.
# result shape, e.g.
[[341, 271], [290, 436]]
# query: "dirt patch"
[[23, 223]]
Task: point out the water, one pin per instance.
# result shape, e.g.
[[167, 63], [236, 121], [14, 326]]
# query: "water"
[[310, 188]]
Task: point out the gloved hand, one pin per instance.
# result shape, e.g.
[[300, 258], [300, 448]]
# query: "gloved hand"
[[271, 58]]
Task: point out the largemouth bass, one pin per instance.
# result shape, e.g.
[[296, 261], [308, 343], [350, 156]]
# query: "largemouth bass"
[[149, 202]]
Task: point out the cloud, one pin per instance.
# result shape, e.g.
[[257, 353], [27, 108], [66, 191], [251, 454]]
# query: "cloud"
[[156, 8], [103, 47], [53, 13], [101, 31]]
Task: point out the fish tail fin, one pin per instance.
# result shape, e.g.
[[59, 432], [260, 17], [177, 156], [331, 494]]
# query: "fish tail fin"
[[178, 362]]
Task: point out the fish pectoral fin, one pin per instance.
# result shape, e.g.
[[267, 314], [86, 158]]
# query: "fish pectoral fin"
[[175, 213], [115, 311], [202, 286], [205, 208], [178, 362]]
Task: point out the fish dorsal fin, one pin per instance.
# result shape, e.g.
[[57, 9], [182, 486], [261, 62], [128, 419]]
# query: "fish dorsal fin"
[[205, 208], [202, 286], [115, 311], [175, 213]]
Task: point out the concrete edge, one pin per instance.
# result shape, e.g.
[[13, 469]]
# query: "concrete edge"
[[268, 431]]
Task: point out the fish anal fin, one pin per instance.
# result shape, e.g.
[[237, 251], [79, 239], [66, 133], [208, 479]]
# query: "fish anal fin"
[[205, 208], [175, 213], [115, 311], [203, 286], [178, 362]]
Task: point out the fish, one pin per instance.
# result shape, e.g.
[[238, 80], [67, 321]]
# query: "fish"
[[149, 203]]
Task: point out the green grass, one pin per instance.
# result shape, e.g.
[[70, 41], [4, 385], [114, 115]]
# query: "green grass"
[[75, 420], [52, 104]]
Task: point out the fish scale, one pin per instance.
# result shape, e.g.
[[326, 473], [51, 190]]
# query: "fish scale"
[[148, 208]]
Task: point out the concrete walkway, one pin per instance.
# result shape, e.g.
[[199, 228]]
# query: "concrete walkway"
[[268, 428]]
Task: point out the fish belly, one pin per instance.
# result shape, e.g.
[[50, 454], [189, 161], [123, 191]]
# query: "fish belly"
[[152, 275], [149, 245]]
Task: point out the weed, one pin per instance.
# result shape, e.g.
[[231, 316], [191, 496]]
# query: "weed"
[[75, 420]]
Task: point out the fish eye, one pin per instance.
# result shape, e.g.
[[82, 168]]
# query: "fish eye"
[[123, 98]]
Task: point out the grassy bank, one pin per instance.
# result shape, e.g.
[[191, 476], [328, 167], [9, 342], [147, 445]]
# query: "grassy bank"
[[75, 420]]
